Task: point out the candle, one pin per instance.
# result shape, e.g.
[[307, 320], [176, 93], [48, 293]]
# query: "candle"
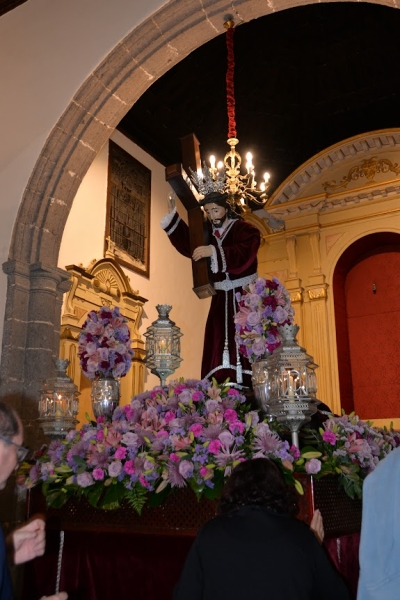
[[291, 394], [163, 346]]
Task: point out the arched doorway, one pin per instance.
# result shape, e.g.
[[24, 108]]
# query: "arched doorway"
[[366, 286]]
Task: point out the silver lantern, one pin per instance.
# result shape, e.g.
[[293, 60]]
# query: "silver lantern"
[[58, 404], [285, 383], [163, 347]]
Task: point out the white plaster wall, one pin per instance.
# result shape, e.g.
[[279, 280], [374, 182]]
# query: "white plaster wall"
[[170, 280], [48, 48]]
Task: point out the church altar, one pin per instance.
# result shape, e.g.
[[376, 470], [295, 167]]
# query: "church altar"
[[112, 553]]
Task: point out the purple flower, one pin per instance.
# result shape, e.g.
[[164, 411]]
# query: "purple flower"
[[313, 466], [84, 479], [115, 468], [186, 468]]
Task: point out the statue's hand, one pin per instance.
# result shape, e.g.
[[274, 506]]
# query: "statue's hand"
[[202, 252], [171, 201]]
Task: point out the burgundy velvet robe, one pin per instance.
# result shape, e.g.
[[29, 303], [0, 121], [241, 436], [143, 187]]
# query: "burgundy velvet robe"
[[237, 258]]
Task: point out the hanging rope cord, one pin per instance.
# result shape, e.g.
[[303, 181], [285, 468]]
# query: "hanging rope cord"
[[230, 88]]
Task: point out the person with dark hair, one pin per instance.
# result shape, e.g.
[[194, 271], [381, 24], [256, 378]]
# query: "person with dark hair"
[[28, 541], [232, 254], [256, 548]]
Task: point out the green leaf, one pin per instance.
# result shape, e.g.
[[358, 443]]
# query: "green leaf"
[[137, 497], [93, 493], [112, 497], [156, 499], [57, 498]]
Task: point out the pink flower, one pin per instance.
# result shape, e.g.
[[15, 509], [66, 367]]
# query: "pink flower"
[[128, 410], [169, 416], [120, 452], [233, 392], [329, 437], [100, 435], [214, 447], [174, 457], [129, 467], [113, 438], [203, 471], [197, 396], [230, 415], [197, 428], [98, 474], [295, 452], [236, 427]]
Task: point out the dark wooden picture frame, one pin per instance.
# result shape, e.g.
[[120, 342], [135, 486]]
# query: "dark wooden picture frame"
[[128, 210]]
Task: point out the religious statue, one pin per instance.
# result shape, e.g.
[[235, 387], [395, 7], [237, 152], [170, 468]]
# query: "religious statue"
[[232, 256]]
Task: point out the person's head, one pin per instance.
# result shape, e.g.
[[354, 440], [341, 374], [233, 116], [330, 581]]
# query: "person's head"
[[217, 209], [11, 437], [258, 482]]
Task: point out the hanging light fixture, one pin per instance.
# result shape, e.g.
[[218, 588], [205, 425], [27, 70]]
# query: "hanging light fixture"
[[163, 346], [227, 175]]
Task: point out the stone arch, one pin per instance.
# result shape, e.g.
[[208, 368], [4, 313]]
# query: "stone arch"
[[35, 284]]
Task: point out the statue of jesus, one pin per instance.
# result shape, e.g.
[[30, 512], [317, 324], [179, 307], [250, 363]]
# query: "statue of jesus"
[[232, 255]]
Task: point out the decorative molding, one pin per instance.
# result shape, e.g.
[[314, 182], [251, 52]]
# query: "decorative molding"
[[296, 297], [317, 293], [332, 157], [368, 168]]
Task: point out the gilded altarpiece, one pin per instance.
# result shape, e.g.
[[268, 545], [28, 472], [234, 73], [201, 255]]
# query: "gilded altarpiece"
[[103, 283]]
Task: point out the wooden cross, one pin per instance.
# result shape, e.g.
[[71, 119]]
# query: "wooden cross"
[[175, 175]]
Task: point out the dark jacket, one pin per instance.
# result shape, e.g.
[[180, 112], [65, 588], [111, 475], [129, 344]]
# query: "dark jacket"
[[260, 555]]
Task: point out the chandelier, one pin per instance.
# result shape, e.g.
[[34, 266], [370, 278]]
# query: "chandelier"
[[227, 176]]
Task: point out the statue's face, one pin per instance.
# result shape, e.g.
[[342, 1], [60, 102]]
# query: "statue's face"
[[216, 214]]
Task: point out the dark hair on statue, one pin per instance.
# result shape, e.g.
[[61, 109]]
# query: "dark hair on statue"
[[258, 482], [9, 425], [220, 200]]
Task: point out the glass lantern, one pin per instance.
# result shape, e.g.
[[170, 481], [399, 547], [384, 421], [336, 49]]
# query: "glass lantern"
[[58, 404], [291, 384], [163, 345]]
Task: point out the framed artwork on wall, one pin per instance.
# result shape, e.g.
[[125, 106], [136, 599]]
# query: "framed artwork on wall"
[[128, 210]]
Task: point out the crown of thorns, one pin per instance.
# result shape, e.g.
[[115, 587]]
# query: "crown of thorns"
[[205, 182]]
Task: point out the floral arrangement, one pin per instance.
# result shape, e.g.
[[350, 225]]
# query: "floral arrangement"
[[264, 305], [348, 447], [105, 344], [192, 433]]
